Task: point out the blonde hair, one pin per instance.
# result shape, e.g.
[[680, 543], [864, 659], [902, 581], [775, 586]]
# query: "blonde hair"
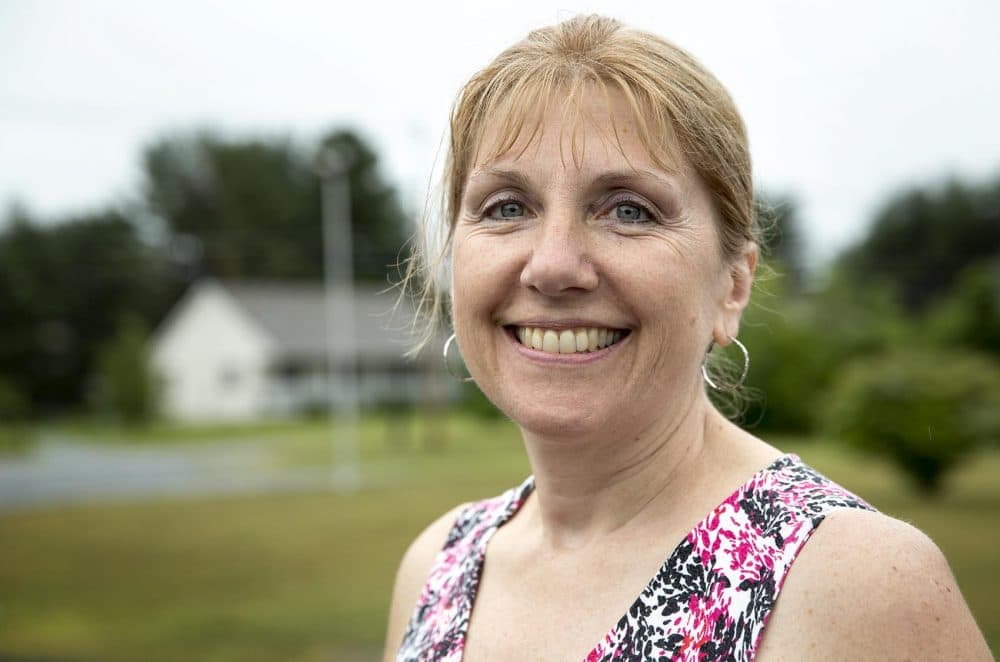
[[676, 103]]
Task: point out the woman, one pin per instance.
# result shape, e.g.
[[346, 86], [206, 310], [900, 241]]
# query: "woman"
[[600, 237]]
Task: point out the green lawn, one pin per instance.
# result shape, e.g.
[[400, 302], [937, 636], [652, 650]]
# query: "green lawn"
[[307, 576]]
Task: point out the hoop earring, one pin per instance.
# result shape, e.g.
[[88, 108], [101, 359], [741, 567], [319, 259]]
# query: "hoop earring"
[[743, 375], [447, 365]]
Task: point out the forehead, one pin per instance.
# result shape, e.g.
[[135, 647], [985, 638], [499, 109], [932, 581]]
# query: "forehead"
[[586, 127]]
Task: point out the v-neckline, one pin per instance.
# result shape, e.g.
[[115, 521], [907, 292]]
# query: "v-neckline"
[[520, 494]]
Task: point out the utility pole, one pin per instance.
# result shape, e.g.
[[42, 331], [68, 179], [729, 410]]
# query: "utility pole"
[[341, 330]]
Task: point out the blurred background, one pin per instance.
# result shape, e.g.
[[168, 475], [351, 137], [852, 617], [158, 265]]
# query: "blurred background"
[[211, 446]]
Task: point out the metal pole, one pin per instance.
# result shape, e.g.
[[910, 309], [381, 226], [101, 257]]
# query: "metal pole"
[[341, 334]]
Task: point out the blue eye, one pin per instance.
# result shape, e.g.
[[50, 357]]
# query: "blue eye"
[[506, 209], [626, 211]]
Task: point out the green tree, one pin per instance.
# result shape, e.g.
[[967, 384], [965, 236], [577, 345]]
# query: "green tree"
[[378, 224], [127, 383], [254, 205], [926, 410], [13, 405], [969, 315], [925, 237], [62, 285], [799, 342]]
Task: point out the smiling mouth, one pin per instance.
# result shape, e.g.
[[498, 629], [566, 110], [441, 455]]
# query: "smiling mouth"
[[567, 341]]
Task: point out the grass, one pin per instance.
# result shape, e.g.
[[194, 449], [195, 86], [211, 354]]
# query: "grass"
[[307, 576], [15, 439]]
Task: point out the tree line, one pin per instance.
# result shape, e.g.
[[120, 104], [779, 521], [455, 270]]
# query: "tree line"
[[208, 206], [894, 348]]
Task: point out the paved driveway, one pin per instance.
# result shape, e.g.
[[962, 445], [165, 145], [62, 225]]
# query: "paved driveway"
[[59, 470]]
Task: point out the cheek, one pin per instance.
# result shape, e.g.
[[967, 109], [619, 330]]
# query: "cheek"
[[466, 271], [678, 297], [477, 279]]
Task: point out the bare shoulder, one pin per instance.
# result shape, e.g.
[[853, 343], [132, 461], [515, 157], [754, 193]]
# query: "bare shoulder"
[[412, 574], [867, 586]]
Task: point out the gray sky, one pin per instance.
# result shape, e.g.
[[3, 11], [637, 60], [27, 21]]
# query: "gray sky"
[[845, 101]]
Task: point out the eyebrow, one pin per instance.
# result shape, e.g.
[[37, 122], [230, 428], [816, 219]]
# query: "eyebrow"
[[630, 175], [610, 178], [513, 176]]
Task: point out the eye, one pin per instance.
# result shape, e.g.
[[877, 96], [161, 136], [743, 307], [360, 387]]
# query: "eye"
[[630, 211], [626, 211], [505, 209]]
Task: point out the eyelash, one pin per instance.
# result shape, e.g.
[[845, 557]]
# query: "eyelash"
[[614, 202], [617, 200], [496, 204]]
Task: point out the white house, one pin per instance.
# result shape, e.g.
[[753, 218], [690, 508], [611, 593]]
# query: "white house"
[[241, 350]]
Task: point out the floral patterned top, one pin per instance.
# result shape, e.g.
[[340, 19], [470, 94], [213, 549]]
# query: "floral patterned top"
[[710, 600]]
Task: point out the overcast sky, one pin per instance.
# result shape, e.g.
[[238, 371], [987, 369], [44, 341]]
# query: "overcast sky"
[[846, 102]]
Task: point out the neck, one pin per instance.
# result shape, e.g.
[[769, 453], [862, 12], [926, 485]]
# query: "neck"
[[591, 486]]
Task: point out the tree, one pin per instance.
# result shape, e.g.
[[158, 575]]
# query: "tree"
[[378, 224], [62, 285], [924, 410], [969, 315], [128, 385], [254, 205], [800, 342], [925, 237]]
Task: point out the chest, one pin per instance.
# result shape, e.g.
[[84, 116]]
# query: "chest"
[[708, 598], [554, 609]]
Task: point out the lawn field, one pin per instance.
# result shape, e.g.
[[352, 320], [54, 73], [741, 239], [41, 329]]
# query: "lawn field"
[[307, 576]]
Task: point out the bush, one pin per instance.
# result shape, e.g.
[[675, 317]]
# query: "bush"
[[13, 405], [128, 385], [785, 366], [798, 344], [925, 410], [969, 314]]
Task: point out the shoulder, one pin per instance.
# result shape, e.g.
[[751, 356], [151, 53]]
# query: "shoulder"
[[412, 574], [868, 586]]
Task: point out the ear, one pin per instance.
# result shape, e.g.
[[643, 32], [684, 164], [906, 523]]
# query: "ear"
[[736, 295]]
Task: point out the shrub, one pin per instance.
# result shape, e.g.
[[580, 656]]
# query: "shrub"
[[128, 385], [798, 343], [13, 404], [925, 410], [969, 314]]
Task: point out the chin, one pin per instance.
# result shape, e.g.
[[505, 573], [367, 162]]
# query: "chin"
[[564, 417]]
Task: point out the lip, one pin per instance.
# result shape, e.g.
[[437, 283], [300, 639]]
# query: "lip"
[[550, 359], [564, 324]]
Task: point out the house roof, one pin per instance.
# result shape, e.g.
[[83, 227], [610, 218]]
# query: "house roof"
[[293, 314]]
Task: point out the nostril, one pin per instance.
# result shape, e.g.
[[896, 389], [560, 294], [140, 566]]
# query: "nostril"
[[558, 265]]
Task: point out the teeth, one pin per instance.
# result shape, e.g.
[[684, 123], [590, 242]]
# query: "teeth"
[[592, 335], [567, 341], [550, 342], [536, 338]]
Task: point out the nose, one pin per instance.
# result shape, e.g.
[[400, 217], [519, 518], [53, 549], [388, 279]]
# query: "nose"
[[559, 262]]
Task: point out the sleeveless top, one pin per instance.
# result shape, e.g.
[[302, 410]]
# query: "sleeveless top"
[[709, 600]]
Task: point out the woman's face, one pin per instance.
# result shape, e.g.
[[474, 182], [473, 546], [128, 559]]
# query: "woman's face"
[[586, 290]]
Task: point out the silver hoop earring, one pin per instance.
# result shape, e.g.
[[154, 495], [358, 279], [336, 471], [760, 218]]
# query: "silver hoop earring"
[[447, 365], [743, 375]]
